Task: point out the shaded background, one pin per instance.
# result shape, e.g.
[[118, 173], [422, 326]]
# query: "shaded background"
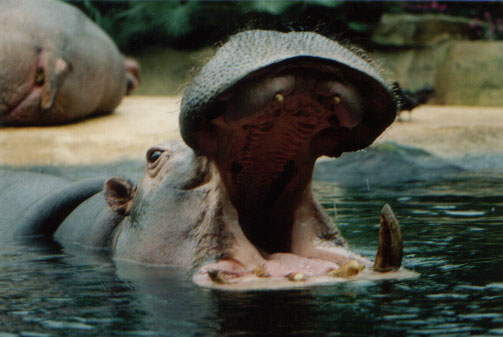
[[421, 44]]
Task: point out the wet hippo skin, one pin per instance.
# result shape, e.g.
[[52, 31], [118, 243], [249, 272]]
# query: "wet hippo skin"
[[234, 205]]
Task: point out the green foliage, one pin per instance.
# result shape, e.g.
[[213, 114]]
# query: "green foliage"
[[265, 6], [195, 23], [325, 3], [192, 23], [359, 26]]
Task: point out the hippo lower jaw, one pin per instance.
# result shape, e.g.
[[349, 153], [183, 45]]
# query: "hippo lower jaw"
[[310, 263], [264, 137]]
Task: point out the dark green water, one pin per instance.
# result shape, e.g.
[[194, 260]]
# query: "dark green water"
[[453, 233]]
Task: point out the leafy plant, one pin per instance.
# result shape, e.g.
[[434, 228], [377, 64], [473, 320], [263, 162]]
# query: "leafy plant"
[[488, 28], [194, 23]]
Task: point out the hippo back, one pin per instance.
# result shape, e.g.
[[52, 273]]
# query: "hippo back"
[[35, 204], [55, 36]]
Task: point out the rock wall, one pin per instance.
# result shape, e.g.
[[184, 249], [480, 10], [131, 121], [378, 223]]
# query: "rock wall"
[[434, 50]]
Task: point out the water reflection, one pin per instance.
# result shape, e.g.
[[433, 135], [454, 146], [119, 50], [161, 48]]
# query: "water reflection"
[[453, 237]]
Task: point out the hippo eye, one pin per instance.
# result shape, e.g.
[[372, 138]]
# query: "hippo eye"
[[39, 77], [154, 155]]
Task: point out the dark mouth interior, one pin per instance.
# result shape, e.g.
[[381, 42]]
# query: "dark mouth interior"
[[269, 133]]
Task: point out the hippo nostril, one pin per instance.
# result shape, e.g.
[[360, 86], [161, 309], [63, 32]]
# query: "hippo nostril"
[[39, 77]]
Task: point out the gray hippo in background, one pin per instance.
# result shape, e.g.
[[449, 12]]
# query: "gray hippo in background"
[[56, 65], [236, 206]]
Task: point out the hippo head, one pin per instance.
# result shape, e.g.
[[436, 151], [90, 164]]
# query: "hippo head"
[[29, 80], [163, 213], [256, 118]]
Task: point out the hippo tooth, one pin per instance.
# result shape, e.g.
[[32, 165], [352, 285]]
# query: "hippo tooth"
[[279, 98], [350, 268], [296, 277], [260, 272], [336, 99], [390, 251]]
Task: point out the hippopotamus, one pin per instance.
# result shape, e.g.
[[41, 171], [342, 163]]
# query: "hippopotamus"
[[233, 204], [57, 66]]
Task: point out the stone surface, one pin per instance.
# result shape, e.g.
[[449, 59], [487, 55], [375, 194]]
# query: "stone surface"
[[433, 50], [469, 137], [416, 30], [387, 163], [472, 74], [167, 71], [461, 72], [138, 123], [414, 68]]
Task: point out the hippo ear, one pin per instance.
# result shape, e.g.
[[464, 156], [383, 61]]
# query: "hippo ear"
[[133, 74], [56, 70], [119, 194]]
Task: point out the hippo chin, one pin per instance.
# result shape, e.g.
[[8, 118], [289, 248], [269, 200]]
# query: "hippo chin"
[[236, 205], [56, 65]]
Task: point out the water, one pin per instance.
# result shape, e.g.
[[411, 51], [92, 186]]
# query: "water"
[[453, 233]]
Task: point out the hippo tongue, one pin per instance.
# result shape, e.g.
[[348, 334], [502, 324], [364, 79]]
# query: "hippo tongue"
[[284, 264]]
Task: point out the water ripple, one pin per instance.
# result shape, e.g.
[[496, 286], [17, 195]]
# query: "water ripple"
[[450, 238], [465, 213]]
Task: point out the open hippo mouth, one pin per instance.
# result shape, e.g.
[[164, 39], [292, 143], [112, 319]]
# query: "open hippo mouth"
[[270, 130], [264, 133]]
